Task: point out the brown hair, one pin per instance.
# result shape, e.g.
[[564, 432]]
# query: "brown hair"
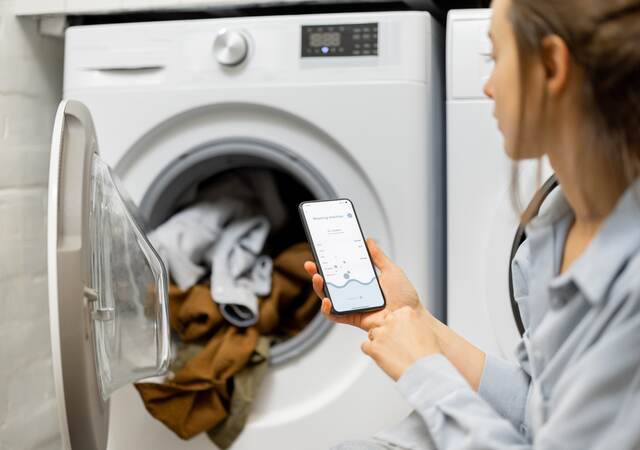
[[603, 38]]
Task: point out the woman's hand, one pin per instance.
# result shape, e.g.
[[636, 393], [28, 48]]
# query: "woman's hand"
[[405, 336], [397, 289], [399, 347]]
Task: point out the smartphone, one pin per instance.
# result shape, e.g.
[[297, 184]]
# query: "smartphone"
[[342, 257]]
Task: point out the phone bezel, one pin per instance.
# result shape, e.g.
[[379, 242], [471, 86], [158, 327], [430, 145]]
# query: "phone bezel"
[[319, 267]]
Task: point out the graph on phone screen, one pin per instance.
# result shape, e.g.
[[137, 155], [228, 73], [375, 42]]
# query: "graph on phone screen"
[[342, 255]]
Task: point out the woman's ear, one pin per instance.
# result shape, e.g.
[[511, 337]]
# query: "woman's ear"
[[556, 62]]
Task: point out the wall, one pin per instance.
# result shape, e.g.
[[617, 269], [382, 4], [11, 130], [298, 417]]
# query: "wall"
[[30, 88]]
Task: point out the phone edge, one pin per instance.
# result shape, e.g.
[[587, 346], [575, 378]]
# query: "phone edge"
[[319, 267]]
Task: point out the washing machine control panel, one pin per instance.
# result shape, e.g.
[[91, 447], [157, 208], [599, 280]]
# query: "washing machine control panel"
[[339, 40]]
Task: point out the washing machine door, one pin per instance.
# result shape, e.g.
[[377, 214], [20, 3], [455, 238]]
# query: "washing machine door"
[[530, 211], [505, 238], [107, 286]]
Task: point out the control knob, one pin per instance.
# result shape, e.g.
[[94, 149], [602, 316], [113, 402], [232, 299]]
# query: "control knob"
[[230, 47]]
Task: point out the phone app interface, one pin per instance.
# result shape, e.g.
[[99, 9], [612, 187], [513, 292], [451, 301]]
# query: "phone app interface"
[[342, 255]]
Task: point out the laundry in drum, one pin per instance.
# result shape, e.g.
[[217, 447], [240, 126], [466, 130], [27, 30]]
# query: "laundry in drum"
[[234, 250], [223, 233]]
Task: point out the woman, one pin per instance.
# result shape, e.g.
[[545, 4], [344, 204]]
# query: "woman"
[[566, 84]]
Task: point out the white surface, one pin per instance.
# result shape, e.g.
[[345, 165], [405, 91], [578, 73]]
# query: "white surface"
[[468, 47], [30, 88], [52, 255], [44, 7], [29, 7], [481, 220], [155, 91]]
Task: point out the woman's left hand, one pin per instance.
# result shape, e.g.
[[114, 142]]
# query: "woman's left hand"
[[405, 336]]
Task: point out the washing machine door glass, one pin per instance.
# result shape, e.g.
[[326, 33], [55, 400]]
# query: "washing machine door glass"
[[107, 286]]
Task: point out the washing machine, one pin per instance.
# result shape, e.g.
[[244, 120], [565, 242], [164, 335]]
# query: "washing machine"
[[339, 105], [484, 228]]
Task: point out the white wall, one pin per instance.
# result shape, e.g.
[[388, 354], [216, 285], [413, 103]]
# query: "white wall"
[[30, 88]]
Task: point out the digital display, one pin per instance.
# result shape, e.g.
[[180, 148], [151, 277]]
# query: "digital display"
[[339, 40], [342, 254], [324, 39]]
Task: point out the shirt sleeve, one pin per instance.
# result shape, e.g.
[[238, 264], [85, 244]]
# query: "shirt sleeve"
[[595, 403], [457, 417], [505, 386]]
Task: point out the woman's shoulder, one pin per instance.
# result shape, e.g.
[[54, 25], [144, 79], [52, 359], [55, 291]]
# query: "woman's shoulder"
[[626, 286], [616, 249]]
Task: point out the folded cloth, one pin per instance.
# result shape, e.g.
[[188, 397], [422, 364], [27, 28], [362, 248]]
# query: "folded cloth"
[[183, 240], [197, 398], [245, 387], [237, 271]]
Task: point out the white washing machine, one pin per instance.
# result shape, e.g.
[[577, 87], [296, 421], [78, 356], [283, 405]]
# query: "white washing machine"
[[347, 105], [483, 227]]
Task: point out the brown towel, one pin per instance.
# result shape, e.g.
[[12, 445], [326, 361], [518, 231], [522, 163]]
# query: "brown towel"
[[192, 313], [195, 399], [198, 397], [292, 303]]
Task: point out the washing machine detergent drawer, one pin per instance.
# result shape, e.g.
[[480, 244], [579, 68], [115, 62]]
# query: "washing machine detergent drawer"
[[108, 289]]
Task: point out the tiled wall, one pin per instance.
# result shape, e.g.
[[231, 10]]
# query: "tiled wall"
[[30, 88]]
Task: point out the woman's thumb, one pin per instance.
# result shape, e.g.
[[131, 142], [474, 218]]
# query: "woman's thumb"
[[380, 260]]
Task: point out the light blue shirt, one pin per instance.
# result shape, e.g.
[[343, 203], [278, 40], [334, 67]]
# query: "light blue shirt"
[[577, 381]]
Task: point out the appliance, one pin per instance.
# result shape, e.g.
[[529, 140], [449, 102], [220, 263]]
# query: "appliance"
[[483, 224], [341, 105]]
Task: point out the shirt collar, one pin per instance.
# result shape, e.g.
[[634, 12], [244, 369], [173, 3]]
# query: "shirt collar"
[[614, 244]]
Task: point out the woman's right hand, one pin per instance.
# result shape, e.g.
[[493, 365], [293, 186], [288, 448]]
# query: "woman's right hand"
[[397, 289]]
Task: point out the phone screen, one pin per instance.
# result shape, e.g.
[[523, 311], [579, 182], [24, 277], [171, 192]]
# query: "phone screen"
[[342, 254]]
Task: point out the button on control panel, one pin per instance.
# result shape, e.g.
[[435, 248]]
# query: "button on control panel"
[[339, 40]]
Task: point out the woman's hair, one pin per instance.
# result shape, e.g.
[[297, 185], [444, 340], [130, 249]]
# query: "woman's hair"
[[603, 38]]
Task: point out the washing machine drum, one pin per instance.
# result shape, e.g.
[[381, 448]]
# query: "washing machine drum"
[[178, 185]]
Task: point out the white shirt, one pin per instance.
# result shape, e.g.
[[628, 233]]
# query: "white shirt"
[[577, 381]]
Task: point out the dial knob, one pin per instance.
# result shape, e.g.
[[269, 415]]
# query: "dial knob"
[[230, 47]]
